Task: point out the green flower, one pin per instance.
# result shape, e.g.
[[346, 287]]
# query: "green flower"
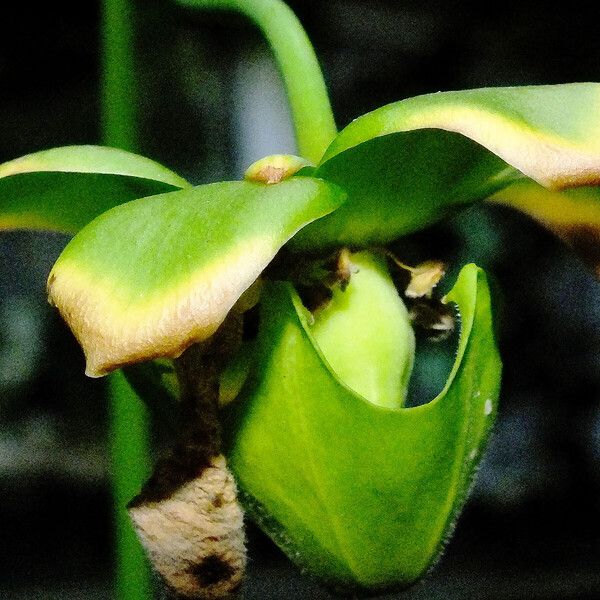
[[356, 488]]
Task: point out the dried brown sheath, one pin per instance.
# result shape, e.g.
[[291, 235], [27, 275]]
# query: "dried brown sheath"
[[187, 516]]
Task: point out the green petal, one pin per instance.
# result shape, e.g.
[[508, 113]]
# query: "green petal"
[[63, 189], [361, 496], [406, 165], [152, 276], [365, 333]]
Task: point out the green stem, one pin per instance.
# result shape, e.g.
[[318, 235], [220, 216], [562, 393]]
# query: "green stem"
[[130, 467], [302, 76], [119, 90], [129, 423]]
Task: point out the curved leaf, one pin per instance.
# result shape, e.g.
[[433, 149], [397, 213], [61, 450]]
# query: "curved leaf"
[[63, 189], [150, 277], [359, 495], [407, 164], [573, 215]]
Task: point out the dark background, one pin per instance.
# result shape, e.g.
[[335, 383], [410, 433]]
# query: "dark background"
[[532, 526]]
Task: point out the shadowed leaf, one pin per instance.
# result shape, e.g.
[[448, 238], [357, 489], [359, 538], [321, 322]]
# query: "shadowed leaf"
[[63, 189], [573, 215], [408, 164]]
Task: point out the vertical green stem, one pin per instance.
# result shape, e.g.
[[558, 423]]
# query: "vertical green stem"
[[119, 93], [299, 67], [129, 423], [130, 454]]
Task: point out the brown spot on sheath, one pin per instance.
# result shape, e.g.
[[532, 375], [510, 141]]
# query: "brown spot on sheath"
[[270, 175], [213, 569]]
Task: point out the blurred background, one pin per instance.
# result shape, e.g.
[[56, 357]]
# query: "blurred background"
[[207, 86]]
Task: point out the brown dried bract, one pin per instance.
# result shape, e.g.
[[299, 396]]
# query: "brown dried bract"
[[423, 278], [275, 168], [195, 537]]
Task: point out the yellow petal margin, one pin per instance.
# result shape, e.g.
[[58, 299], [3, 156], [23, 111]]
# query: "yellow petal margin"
[[157, 326], [152, 276], [573, 215], [549, 133]]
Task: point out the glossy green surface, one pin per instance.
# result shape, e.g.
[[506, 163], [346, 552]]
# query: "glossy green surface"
[[412, 163], [361, 496], [401, 183], [129, 429], [130, 465], [63, 189], [144, 249], [156, 383], [151, 277]]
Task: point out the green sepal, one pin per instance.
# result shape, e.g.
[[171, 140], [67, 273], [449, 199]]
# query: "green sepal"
[[409, 164], [155, 275], [235, 373], [357, 495], [63, 189]]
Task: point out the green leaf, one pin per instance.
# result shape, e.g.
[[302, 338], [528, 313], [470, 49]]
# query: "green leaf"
[[359, 495], [152, 276], [408, 164], [63, 189]]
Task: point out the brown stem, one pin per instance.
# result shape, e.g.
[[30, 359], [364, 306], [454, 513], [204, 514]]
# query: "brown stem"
[[187, 516]]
